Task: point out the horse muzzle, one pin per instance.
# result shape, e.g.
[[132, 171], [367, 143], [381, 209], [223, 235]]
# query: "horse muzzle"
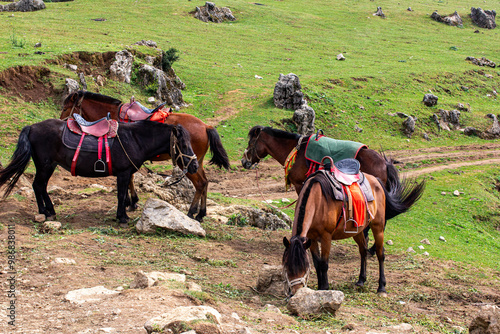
[[246, 164]]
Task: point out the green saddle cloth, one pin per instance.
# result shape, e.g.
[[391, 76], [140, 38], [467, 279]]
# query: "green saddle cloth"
[[316, 150]]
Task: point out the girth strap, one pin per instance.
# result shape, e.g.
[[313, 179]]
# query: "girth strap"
[[75, 157]]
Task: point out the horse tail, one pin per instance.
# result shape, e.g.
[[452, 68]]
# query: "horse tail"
[[18, 163], [219, 154], [400, 195]]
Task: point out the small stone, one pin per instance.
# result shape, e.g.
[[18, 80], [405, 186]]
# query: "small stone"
[[425, 241], [50, 226], [62, 260], [425, 253], [442, 238], [410, 250], [443, 193], [456, 193], [420, 247], [258, 77], [235, 316], [40, 218], [401, 302], [120, 288], [151, 100], [389, 242]]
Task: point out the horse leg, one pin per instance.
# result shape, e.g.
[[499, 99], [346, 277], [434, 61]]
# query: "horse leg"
[[200, 183], [379, 242], [321, 263], [122, 182], [361, 241], [131, 201], [40, 182]]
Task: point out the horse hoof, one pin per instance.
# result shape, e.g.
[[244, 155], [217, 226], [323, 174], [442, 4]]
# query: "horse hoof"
[[382, 294], [50, 218], [360, 284], [123, 225]]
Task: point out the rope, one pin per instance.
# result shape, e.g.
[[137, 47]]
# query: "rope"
[[123, 148], [262, 195]]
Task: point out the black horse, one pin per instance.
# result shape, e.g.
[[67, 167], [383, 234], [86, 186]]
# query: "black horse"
[[137, 142]]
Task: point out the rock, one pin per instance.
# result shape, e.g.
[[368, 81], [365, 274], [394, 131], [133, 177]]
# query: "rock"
[[144, 280], [426, 137], [409, 9], [39, 218], [310, 302], [442, 238], [71, 67], [272, 308], [151, 100], [430, 100], [168, 85], [420, 247], [447, 119], [37, 45], [481, 62], [23, 6], [358, 129], [402, 328], [409, 126], [81, 76], [486, 321], [255, 217], [50, 226], [304, 120], [100, 80], [186, 314], [425, 241], [258, 77], [149, 43], [62, 260], [211, 13], [179, 195], [287, 92], [456, 193], [121, 68], [271, 280], [410, 250], [81, 296], [379, 13], [443, 193], [71, 86], [463, 107], [158, 213], [340, 56], [452, 19], [425, 253], [494, 131], [471, 131], [390, 242], [483, 18], [101, 188]]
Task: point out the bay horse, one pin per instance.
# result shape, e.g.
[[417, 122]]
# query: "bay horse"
[[43, 142], [318, 221], [94, 106], [264, 141]]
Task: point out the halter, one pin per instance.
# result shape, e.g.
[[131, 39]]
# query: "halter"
[[290, 284], [253, 149], [176, 154]]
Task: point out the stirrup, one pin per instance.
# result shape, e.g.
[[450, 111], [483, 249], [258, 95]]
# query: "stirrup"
[[98, 168], [345, 225]]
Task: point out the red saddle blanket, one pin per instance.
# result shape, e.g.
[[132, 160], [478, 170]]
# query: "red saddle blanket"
[[358, 205]]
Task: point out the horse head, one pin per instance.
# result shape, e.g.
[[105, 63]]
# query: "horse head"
[[295, 263], [255, 150], [181, 151]]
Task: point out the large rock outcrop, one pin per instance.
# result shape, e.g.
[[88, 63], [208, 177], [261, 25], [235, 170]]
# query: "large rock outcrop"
[[452, 19], [211, 13], [287, 92], [23, 6], [483, 18], [168, 85]]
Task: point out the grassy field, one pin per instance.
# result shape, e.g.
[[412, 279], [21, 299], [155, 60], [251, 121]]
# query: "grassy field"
[[390, 64]]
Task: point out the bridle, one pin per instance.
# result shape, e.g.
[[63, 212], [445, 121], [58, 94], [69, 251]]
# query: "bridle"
[[77, 103], [290, 284], [176, 154], [253, 150]]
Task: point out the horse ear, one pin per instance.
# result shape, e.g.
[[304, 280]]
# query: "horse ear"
[[286, 242], [307, 244]]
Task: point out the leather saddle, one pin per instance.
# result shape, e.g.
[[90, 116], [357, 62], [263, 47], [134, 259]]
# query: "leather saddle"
[[99, 128], [345, 171], [134, 111]]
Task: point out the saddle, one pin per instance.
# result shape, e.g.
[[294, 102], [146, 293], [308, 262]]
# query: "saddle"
[[350, 186], [97, 134], [134, 111]]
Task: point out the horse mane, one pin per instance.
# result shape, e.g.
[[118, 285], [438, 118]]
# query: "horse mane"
[[273, 132], [326, 189], [92, 96], [296, 255]]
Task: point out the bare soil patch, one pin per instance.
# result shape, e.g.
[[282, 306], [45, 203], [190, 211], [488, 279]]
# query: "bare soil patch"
[[31, 83]]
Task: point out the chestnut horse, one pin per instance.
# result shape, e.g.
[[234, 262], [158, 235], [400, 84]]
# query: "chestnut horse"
[[43, 142], [264, 141], [94, 106], [318, 220]]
